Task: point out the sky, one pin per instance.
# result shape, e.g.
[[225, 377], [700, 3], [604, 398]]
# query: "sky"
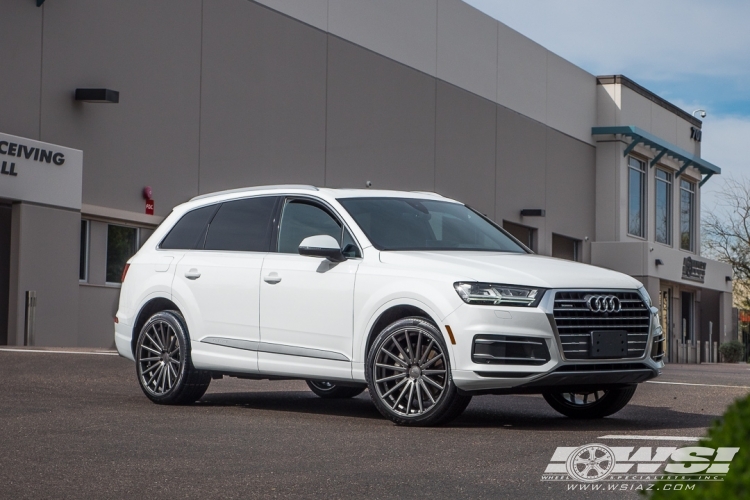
[[695, 54]]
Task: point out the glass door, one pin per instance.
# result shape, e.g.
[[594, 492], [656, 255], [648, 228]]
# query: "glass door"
[[665, 317]]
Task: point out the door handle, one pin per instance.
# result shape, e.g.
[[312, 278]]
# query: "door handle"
[[193, 274], [272, 278]]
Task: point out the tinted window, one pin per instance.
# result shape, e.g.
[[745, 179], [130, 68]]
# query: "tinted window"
[[122, 243], [83, 259], [410, 224], [636, 197], [242, 225], [300, 220], [189, 231]]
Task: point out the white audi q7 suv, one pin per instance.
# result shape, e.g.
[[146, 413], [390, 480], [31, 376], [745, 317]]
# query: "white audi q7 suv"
[[415, 297]]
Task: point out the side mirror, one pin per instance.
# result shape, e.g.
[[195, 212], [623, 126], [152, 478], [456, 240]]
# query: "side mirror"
[[322, 245]]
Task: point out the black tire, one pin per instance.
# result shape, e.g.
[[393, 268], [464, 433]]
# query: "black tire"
[[422, 343], [329, 390], [162, 361], [574, 406]]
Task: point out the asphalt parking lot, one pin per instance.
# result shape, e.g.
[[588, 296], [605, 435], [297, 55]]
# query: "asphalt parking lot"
[[78, 426]]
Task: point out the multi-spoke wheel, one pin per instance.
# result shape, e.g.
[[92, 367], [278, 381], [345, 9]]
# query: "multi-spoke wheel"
[[329, 390], [595, 403], [162, 354], [408, 374]]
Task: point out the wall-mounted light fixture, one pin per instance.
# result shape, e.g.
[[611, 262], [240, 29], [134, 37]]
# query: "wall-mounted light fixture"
[[533, 212], [659, 262], [98, 95], [727, 278]]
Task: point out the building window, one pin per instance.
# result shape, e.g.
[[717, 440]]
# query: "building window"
[[524, 234], [83, 263], [687, 209], [122, 243], [566, 248], [663, 207], [636, 197]]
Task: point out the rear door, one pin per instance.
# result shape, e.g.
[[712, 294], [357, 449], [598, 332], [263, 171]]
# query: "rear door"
[[220, 282]]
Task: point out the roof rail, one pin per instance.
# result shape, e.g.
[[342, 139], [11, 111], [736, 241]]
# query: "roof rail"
[[429, 192], [255, 188]]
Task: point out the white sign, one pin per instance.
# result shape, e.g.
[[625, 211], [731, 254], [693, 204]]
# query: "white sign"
[[40, 172]]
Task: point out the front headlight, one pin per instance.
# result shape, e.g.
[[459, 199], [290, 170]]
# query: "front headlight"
[[492, 294]]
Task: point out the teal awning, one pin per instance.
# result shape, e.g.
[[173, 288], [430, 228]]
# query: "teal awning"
[[639, 136]]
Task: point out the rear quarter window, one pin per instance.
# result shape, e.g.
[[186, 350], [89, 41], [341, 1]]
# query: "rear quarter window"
[[190, 230]]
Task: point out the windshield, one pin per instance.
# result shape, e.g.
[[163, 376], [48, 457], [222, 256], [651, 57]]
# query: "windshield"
[[412, 224]]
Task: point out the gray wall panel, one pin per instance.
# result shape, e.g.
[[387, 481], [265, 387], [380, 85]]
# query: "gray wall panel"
[[96, 311], [571, 184], [21, 46], [465, 147], [381, 121], [312, 12], [403, 31], [43, 232], [263, 98], [6, 214], [150, 53], [521, 169], [467, 48]]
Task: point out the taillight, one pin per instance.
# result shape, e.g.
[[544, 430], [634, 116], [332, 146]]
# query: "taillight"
[[124, 272]]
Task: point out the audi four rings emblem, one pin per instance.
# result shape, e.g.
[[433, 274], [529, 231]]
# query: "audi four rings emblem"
[[604, 303]]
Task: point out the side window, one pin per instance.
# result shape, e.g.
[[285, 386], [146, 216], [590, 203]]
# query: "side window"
[[301, 220], [242, 225], [189, 232]]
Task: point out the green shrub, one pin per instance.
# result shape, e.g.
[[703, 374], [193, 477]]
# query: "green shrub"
[[733, 430], [732, 351]]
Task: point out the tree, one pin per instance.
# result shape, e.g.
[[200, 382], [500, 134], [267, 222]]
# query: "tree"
[[726, 234]]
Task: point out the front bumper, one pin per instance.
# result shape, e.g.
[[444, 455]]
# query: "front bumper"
[[470, 321]]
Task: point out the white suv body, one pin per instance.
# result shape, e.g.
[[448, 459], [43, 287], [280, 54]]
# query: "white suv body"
[[254, 306]]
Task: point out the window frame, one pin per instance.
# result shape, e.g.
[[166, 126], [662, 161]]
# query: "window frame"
[[670, 181], [691, 229], [86, 250], [643, 197], [322, 204], [115, 284]]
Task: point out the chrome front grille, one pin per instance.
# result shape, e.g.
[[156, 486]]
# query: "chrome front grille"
[[575, 322]]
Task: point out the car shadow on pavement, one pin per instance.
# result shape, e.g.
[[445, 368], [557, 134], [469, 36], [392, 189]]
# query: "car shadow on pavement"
[[297, 402], [633, 418], [521, 412]]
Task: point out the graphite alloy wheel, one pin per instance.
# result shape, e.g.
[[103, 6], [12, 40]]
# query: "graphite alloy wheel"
[[329, 390], [162, 359], [590, 404], [409, 377]]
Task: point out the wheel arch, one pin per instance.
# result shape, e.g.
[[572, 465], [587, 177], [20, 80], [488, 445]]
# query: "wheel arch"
[[151, 307], [395, 311]]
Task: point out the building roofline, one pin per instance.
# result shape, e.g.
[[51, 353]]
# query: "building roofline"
[[627, 82]]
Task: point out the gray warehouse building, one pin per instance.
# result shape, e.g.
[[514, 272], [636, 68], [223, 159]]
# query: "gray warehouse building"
[[103, 98]]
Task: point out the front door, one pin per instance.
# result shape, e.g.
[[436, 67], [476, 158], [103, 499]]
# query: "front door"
[[306, 303]]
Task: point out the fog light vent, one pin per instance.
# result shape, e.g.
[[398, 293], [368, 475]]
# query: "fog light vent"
[[509, 350]]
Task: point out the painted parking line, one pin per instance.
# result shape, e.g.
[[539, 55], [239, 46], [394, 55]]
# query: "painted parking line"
[[650, 438], [700, 385], [60, 352]]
